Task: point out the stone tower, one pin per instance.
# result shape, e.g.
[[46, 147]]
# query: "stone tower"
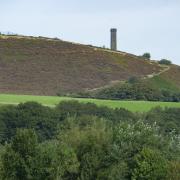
[[114, 39]]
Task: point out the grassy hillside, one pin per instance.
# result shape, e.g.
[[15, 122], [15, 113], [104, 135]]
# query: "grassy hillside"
[[172, 76], [134, 106], [160, 87], [169, 80], [42, 66]]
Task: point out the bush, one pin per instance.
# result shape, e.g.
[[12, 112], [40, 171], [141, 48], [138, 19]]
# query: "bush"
[[165, 61], [136, 89], [133, 80], [167, 119], [130, 91], [149, 164], [28, 115], [17, 161], [146, 55]]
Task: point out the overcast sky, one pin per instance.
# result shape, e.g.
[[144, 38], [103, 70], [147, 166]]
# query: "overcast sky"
[[143, 25]]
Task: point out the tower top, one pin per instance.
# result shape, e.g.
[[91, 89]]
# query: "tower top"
[[113, 30]]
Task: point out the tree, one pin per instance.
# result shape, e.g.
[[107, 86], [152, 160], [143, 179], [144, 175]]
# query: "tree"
[[149, 164], [17, 161], [146, 55], [90, 138], [131, 138], [56, 161], [167, 119], [30, 115], [165, 61], [25, 159]]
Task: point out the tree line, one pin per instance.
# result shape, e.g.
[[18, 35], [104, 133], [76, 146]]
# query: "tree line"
[[133, 89], [86, 142]]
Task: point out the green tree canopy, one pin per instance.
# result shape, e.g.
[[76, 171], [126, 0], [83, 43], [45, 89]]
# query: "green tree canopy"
[[146, 55]]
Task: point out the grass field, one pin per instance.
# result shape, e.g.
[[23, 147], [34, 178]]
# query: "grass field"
[[135, 106]]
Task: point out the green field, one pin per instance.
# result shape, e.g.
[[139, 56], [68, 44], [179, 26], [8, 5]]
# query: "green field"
[[51, 101]]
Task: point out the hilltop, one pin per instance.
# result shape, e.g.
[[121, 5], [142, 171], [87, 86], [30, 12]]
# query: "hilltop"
[[44, 66]]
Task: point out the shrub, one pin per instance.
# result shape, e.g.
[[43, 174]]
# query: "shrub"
[[165, 61], [133, 80], [149, 164], [146, 55], [27, 115], [17, 162]]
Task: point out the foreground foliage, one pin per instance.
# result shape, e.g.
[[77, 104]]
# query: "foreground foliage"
[[86, 142]]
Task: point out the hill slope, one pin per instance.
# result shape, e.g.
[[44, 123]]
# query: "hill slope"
[[43, 66]]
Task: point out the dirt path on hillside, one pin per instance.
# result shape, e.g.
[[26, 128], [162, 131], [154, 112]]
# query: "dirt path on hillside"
[[166, 68], [149, 76]]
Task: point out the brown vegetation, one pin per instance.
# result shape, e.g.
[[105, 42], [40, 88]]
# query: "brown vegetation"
[[46, 67]]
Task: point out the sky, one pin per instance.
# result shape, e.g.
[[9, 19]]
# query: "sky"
[[143, 25]]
